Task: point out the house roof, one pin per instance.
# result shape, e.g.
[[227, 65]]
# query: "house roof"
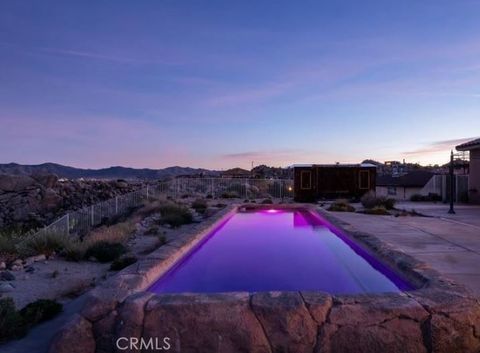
[[413, 179], [363, 165], [470, 145]]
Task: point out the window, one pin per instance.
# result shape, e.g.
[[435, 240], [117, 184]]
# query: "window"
[[392, 190], [364, 179], [306, 180]]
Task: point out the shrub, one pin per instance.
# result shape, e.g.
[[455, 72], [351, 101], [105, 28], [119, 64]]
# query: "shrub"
[[220, 205], [341, 206], [209, 196], [44, 243], [162, 240], [104, 251], [430, 197], [15, 324], [152, 230], [229, 195], [266, 202], [369, 201], [11, 323], [199, 205], [175, 215], [377, 210], [40, 310], [122, 262]]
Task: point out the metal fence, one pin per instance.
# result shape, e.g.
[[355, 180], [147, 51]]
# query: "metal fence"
[[81, 221]]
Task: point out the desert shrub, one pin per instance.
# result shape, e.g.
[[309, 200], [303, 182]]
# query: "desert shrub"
[[8, 245], [162, 240], [341, 206], [266, 202], [230, 195], [15, 324], [209, 196], [377, 210], [117, 233], [175, 215], [369, 201], [430, 197], [11, 322], [199, 205], [104, 251], [46, 243], [40, 310], [152, 230], [74, 251], [220, 205], [122, 262]]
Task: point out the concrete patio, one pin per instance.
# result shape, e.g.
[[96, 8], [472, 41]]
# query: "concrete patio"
[[448, 243]]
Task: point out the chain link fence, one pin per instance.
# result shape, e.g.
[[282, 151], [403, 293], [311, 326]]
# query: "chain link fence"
[[81, 221]]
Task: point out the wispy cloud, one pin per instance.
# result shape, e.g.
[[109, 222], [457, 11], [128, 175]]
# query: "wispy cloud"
[[89, 55], [438, 146]]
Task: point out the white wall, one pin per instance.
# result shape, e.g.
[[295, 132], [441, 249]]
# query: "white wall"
[[402, 193]]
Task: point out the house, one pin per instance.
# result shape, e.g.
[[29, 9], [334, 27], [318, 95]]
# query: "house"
[[329, 181], [402, 187], [474, 169]]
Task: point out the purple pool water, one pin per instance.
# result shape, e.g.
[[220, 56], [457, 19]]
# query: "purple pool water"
[[286, 250]]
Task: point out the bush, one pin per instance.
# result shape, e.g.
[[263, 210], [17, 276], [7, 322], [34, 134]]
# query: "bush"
[[40, 310], [74, 251], [341, 206], [230, 195], [266, 202], [175, 215], [209, 196], [428, 198], [199, 205], [44, 243], [162, 240], [122, 262], [377, 210], [104, 251], [15, 324], [11, 322], [369, 201]]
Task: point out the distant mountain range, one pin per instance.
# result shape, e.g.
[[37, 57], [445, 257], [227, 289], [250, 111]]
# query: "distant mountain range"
[[105, 173]]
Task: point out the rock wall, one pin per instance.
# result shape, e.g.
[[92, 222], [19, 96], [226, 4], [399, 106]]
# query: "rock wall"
[[33, 201]]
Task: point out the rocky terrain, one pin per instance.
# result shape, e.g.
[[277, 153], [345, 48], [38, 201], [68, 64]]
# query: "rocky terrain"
[[31, 201]]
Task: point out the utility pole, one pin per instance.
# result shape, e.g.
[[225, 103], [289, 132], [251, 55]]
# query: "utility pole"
[[452, 184]]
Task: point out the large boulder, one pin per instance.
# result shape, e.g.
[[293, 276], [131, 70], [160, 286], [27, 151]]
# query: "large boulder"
[[51, 200], [214, 323], [46, 179], [75, 337], [11, 183], [287, 322]]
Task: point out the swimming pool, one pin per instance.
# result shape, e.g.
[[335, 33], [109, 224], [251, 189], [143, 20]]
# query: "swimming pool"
[[278, 250]]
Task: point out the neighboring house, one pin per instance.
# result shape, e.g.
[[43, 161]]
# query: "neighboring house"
[[474, 169], [404, 186], [330, 181]]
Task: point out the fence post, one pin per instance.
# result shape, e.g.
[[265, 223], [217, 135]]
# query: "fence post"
[[92, 215], [147, 192]]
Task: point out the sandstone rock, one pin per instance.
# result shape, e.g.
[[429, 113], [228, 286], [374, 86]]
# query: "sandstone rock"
[[216, 323], [75, 337], [287, 322], [3, 266], [395, 336], [32, 259], [15, 182], [131, 315], [103, 331], [16, 267], [318, 304], [45, 179], [51, 200], [17, 262]]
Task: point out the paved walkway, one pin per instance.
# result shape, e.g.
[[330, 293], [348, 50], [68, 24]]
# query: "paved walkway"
[[450, 244]]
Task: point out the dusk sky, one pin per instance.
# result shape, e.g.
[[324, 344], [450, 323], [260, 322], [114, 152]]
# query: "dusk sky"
[[219, 84]]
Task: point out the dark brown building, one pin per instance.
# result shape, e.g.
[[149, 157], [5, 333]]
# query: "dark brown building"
[[329, 181]]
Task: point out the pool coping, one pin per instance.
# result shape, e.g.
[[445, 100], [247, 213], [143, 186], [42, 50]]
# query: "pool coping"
[[436, 301]]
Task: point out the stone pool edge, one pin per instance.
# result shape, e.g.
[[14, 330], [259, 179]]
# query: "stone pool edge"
[[441, 316]]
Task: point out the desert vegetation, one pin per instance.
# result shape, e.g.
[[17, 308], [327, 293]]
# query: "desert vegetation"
[[370, 201], [341, 205]]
